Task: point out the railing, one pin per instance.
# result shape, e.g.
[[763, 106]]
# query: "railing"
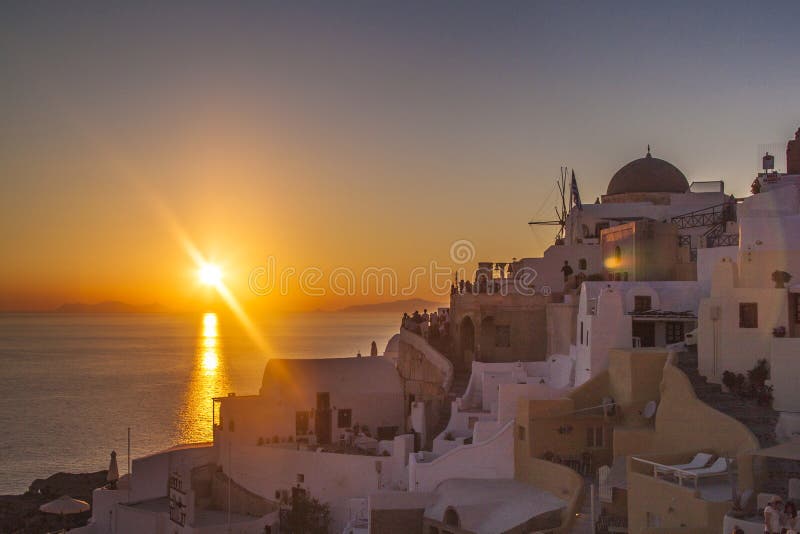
[[681, 474], [723, 240], [710, 216]]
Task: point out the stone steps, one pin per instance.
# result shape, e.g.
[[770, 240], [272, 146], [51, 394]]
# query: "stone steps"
[[457, 389], [760, 420]]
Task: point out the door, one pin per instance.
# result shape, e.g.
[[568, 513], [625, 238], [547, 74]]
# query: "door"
[[322, 418], [646, 332]]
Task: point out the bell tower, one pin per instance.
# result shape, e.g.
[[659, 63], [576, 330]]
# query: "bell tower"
[[793, 154]]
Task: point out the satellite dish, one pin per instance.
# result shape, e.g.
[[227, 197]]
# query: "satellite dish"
[[649, 409]]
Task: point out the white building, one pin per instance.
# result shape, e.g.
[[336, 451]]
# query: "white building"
[[317, 401], [753, 311], [623, 315], [646, 188]]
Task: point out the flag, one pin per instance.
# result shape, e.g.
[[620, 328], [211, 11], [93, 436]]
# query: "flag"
[[576, 196]]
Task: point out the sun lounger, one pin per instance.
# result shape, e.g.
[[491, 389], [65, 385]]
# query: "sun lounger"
[[718, 467], [699, 461]]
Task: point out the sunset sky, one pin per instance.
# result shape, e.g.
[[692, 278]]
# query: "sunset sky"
[[353, 135]]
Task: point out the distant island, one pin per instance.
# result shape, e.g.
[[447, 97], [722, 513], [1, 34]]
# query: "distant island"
[[407, 305], [110, 306]]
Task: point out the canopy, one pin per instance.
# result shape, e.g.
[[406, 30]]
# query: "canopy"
[[65, 505], [787, 451]]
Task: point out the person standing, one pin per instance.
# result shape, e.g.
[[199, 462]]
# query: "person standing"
[[773, 516], [567, 270], [790, 520]]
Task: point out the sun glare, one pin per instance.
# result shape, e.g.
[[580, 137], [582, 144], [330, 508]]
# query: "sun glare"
[[210, 275]]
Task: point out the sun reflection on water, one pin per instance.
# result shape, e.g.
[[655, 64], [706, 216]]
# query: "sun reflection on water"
[[209, 379]]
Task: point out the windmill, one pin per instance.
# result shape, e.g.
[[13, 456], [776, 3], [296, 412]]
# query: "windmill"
[[561, 211]]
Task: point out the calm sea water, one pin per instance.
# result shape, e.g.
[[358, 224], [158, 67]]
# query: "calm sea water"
[[71, 384]]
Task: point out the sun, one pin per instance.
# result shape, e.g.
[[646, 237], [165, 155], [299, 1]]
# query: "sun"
[[210, 274]]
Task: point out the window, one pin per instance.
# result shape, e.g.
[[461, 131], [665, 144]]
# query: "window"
[[301, 423], [521, 433], [674, 332], [748, 315], [797, 310], [502, 336], [345, 418], [594, 437], [582, 264], [642, 303], [618, 254], [231, 425]]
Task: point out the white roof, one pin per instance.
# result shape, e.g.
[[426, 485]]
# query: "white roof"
[[673, 296], [488, 506], [368, 374]]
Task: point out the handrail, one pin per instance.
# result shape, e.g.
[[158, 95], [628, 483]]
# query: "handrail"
[[681, 473]]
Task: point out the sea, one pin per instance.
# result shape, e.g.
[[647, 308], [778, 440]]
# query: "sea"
[[71, 385]]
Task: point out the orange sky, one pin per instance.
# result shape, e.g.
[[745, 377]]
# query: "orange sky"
[[332, 136]]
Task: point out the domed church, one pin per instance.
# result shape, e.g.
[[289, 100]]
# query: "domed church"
[[648, 175]]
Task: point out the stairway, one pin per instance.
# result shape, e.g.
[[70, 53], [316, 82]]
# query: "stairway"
[[761, 421], [457, 389]]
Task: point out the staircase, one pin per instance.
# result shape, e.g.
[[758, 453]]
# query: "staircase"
[[761, 421], [457, 389]]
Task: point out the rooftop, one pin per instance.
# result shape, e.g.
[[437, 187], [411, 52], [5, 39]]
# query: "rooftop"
[[648, 175], [486, 506]]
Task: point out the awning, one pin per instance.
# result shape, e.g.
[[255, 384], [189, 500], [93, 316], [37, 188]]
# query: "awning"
[[787, 451]]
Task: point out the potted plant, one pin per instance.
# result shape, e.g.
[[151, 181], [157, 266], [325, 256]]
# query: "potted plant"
[[779, 331]]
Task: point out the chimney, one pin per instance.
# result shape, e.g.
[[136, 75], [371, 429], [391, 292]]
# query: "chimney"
[[793, 154]]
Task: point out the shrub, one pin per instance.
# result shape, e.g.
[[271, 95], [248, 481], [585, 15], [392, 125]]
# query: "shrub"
[[308, 515], [752, 386]]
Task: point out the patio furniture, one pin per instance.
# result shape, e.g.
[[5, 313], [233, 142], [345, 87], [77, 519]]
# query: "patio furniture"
[[699, 461]]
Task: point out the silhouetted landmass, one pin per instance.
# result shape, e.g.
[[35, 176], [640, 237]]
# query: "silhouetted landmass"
[[110, 306], [407, 305]]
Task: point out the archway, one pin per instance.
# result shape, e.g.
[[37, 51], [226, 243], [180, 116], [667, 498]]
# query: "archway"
[[451, 518], [467, 342]]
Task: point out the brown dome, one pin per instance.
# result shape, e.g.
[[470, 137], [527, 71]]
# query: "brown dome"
[[648, 175]]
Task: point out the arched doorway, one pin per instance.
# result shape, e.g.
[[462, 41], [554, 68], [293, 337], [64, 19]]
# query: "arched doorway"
[[467, 342], [451, 518]]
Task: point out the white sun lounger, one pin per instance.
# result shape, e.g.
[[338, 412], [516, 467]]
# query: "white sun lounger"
[[718, 468], [699, 461]]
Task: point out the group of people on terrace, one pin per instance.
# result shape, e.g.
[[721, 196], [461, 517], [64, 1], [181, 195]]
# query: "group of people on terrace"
[[434, 325], [780, 518]]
